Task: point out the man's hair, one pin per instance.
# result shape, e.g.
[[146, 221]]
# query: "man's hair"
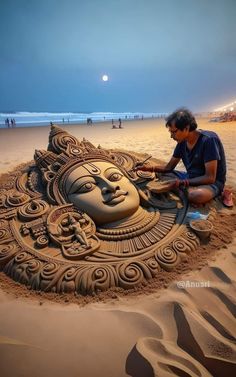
[[182, 118]]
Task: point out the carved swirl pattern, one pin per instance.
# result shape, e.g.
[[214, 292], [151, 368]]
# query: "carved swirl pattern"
[[34, 266], [66, 283], [192, 237], [132, 274], [75, 150], [153, 266], [42, 241], [22, 257], [180, 245], [124, 159], [32, 210], [16, 198], [167, 257], [99, 278], [49, 274], [49, 175], [87, 278], [145, 174], [62, 141], [3, 223], [7, 252], [5, 234]]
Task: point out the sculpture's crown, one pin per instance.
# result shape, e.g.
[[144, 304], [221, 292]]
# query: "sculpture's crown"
[[65, 151]]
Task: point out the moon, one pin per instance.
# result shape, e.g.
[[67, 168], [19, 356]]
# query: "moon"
[[105, 78]]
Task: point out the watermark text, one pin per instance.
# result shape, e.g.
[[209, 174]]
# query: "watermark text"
[[182, 284]]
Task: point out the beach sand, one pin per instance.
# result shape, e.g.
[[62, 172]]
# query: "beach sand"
[[169, 329]]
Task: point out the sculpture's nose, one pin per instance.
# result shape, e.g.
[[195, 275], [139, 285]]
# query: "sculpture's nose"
[[110, 187]]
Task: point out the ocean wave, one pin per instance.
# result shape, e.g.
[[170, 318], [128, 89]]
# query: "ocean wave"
[[33, 118]]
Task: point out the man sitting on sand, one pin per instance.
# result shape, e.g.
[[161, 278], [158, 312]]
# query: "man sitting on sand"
[[203, 156]]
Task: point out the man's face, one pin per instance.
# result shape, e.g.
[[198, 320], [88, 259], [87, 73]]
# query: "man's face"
[[178, 135]]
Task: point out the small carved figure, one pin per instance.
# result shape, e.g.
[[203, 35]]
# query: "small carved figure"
[[78, 232]]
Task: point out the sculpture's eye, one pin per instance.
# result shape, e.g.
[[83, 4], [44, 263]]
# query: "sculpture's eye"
[[115, 177], [86, 187]]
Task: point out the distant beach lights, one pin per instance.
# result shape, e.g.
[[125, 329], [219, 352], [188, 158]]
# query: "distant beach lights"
[[105, 78], [230, 107]]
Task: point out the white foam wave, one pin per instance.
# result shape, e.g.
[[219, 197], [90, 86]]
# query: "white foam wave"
[[37, 118]]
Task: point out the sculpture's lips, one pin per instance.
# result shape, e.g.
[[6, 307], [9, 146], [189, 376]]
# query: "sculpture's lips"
[[115, 199]]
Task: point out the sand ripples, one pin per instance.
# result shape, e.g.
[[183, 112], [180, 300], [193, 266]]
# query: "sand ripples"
[[202, 322]]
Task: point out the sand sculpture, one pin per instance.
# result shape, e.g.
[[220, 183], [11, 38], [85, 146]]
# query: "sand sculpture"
[[80, 219]]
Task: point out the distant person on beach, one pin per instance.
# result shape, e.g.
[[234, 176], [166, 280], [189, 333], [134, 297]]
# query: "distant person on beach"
[[120, 123], [7, 123], [202, 154], [113, 124]]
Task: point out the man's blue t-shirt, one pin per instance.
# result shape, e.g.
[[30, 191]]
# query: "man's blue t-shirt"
[[207, 148]]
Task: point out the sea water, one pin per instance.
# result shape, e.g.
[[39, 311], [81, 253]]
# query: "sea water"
[[28, 119]]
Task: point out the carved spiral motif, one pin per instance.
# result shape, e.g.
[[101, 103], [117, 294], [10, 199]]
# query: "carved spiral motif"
[[192, 236], [132, 274], [66, 283], [22, 257], [125, 160], [49, 270], [7, 250], [42, 241], [4, 233], [3, 224], [153, 266], [61, 142], [16, 198], [33, 210], [49, 175], [76, 151], [34, 266], [70, 274], [145, 174], [179, 245], [166, 257], [102, 277]]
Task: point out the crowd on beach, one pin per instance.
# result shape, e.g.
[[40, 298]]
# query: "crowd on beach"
[[228, 116], [116, 126], [10, 122]]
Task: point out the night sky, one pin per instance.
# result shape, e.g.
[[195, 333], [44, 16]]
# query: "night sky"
[[158, 54]]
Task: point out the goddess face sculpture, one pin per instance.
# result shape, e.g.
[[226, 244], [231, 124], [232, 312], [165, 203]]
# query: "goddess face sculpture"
[[101, 190]]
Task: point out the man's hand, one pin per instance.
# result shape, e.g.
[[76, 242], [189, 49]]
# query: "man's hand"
[[149, 167], [166, 186], [144, 167], [178, 183]]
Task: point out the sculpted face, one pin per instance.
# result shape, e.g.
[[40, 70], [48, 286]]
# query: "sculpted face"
[[102, 191]]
